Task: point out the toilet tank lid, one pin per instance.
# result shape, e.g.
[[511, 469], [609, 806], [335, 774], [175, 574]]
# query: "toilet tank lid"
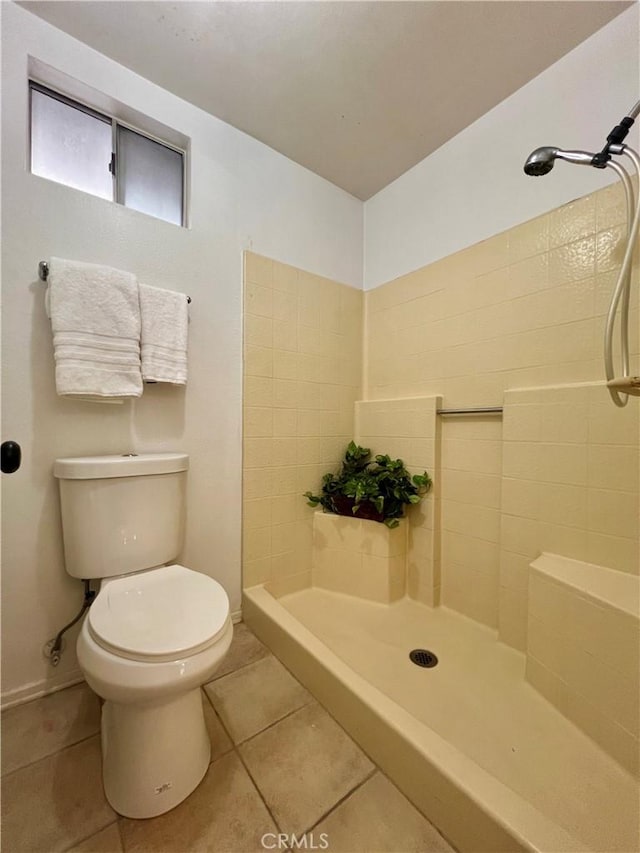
[[119, 465]]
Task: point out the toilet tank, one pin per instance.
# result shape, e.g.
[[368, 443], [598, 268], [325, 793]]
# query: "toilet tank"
[[121, 514]]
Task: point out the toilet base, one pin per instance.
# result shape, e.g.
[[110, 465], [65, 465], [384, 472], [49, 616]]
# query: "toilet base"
[[153, 755]]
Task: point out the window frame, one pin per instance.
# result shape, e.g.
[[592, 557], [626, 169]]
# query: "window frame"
[[115, 122]]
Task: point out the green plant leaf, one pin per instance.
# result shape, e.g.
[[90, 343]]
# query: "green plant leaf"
[[384, 482]]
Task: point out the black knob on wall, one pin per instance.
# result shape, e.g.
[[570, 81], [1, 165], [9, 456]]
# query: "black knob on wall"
[[11, 457]]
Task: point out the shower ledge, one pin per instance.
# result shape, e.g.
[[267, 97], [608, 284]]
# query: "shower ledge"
[[583, 650], [609, 586]]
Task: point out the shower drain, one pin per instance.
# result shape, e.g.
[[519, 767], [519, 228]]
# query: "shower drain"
[[423, 657]]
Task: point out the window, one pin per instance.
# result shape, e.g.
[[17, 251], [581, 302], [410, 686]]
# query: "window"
[[82, 148]]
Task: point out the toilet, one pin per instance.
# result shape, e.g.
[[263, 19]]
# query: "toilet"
[[156, 631]]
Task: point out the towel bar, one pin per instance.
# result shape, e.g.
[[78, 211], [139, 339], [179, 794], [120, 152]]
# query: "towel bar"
[[43, 273], [481, 410]]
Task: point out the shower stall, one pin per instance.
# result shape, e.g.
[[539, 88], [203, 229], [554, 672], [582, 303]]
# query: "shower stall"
[[517, 580]]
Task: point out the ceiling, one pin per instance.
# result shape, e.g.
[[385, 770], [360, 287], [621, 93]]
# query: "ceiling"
[[358, 92]]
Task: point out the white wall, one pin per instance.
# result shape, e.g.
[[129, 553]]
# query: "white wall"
[[474, 186], [244, 195]]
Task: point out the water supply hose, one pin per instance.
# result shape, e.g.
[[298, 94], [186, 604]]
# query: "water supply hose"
[[53, 649]]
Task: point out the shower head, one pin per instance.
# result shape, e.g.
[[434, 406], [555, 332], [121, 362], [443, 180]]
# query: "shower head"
[[541, 161]]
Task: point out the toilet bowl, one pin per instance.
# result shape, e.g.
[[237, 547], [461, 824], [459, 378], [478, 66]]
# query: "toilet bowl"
[[154, 634], [146, 646]]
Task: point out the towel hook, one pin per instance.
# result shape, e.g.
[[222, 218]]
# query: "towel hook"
[[43, 274]]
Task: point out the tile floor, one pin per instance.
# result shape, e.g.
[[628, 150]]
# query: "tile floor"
[[278, 765]]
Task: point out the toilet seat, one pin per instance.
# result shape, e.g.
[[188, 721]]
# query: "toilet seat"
[[160, 615]]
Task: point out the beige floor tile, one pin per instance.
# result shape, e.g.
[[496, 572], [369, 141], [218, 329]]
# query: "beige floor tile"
[[377, 818], [256, 696], [44, 726], [220, 740], [224, 813], [54, 803], [105, 841], [303, 765], [245, 648]]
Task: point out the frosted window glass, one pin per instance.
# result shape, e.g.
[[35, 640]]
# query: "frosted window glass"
[[149, 176], [70, 146]]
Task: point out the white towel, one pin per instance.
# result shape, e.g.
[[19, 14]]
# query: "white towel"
[[165, 322], [95, 319]]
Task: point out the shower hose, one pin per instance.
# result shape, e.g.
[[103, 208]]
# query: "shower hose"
[[620, 388]]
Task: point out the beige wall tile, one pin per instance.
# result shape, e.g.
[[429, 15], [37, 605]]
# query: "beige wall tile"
[[359, 557], [258, 452], [572, 221], [257, 513], [256, 572], [613, 513], [258, 300], [257, 483], [256, 543], [423, 581], [259, 270], [258, 331], [285, 278], [512, 617]]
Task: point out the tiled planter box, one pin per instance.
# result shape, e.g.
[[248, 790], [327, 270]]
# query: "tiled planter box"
[[359, 557]]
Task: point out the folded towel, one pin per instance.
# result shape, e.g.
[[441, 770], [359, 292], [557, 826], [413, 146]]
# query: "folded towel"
[[165, 321], [95, 319]]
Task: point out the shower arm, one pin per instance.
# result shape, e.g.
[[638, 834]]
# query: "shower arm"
[[622, 288]]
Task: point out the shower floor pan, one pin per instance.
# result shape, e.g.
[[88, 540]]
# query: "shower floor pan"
[[483, 755]]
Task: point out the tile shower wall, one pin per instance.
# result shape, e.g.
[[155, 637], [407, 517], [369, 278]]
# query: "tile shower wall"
[[570, 486], [583, 655], [525, 308], [409, 429], [302, 375]]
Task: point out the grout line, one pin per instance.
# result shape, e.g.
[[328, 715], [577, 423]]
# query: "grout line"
[[63, 748], [275, 722], [243, 666], [257, 787], [248, 772], [311, 700], [339, 802], [95, 832], [222, 725], [376, 769], [120, 835]]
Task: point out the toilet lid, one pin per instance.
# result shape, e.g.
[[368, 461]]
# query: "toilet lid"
[[163, 614]]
